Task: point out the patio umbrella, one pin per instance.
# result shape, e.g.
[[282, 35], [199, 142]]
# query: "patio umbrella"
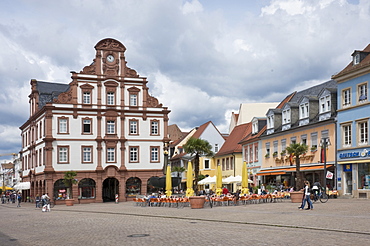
[[245, 189], [189, 180], [219, 180], [168, 181]]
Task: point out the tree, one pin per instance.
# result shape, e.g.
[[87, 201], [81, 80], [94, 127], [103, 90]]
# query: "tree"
[[69, 179], [178, 169], [297, 149], [197, 147]]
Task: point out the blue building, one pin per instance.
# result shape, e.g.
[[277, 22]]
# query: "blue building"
[[353, 153]]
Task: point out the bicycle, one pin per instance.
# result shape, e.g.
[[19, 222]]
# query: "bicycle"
[[320, 195], [209, 199]]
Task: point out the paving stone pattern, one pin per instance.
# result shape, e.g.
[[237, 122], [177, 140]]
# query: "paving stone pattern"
[[337, 222]]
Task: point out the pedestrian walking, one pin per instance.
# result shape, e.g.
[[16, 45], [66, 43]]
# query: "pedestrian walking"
[[307, 198], [37, 199], [19, 199]]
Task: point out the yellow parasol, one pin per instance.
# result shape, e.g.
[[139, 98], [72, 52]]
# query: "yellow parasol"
[[189, 180], [245, 189], [219, 181], [168, 181]]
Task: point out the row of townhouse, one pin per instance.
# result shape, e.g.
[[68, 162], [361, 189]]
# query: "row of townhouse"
[[332, 118]]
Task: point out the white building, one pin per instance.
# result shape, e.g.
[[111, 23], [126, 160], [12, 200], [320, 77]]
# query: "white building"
[[103, 124]]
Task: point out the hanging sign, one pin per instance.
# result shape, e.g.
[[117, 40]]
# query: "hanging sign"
[[329, 175]]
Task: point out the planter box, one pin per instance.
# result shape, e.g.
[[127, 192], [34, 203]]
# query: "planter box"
[[197, 201], [296, 196], [69, 202]]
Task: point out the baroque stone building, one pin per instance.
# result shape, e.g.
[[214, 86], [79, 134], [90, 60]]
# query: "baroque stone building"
[[103, 124]]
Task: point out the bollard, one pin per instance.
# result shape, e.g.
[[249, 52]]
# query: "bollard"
[[116, 198]]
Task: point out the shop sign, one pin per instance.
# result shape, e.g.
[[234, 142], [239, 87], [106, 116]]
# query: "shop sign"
[[355, 154], [347, 168]]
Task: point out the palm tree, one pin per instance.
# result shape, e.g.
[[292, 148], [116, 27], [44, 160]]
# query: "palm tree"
[[69, 179], [178, 169], [197, 147], [297, 149]]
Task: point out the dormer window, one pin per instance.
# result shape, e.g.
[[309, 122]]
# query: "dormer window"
[[255, 127], [303, 111], [270, 121], [356, 59], [286, 116], [324, 104]]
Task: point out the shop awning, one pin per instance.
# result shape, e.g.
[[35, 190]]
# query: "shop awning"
[[270, 173], [290, 170], [22, 186]]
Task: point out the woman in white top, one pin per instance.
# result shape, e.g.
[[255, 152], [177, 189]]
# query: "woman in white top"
[[307, 196]]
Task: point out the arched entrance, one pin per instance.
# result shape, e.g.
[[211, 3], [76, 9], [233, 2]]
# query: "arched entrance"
[[110, 189]]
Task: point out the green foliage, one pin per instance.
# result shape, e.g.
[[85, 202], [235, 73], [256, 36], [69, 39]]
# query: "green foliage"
[[178, 169], [197, 147], [201, 176], [70, 178], [297, 149]]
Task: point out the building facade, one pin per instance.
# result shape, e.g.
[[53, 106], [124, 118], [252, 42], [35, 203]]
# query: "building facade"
[[104, 125], [353, 126], [308, 117]]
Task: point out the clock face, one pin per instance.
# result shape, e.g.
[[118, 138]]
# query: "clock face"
[[110, 58]]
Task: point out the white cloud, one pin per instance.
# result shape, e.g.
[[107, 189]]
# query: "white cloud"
[[192, 7], [201, 60]]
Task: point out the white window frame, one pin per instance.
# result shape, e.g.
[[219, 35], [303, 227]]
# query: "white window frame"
[[63, 154], [362, 93], [110, 98], [346, 135], [63, 125], [133, 127], [111, 155], [154, 127], [314, 142], [346, 97], [86, 122], [133, 99], [86, 154], [111, 126], [134, 154], [154, 154], [87, 97], [270, 121], [286, 116], [363, 133]]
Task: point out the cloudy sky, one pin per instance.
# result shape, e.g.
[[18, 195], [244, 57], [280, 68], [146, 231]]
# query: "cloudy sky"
[[202, 58]]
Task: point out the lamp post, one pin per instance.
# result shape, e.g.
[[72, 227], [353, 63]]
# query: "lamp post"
[[323, 144]]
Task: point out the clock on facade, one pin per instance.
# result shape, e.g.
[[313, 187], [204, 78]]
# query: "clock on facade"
[[110, 58]]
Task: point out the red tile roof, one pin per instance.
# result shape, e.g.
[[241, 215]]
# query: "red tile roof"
[[351, 68], [231, 144]]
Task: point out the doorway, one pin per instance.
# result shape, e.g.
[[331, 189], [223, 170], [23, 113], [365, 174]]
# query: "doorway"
[[110, 189], [348, 183]]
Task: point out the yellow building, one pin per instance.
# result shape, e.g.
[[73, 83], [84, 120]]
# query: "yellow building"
[[308, 118]]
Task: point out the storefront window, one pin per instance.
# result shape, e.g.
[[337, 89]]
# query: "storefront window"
[[86, 188], [133, 186], [60, 190], [364, 175]]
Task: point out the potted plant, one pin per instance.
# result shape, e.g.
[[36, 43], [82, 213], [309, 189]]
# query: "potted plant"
[[267, 155], [297, 150], [313, 148], [274, 154], [283, 153], [69, 179]]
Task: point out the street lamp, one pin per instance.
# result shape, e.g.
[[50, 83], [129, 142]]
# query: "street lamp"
[[323, 144]]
